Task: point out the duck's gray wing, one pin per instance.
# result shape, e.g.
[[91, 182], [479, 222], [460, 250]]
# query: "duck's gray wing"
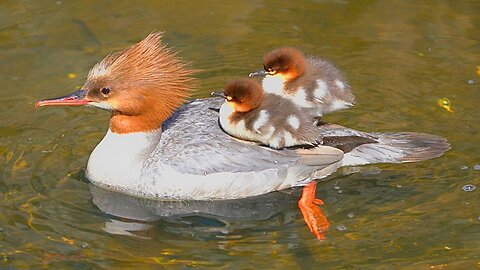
[[193, 142]]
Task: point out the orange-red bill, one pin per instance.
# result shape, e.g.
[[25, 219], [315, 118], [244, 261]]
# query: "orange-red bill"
[[76, 98]]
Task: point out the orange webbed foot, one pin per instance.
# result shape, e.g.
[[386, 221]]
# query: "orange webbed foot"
[[312, 214]]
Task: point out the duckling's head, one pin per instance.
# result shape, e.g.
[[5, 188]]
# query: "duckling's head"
[[243, 95]]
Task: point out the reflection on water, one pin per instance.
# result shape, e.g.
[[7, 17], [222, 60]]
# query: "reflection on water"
[[400, 57], [213, 216]]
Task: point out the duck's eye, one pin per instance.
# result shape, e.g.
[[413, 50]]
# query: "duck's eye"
[[105, 90]]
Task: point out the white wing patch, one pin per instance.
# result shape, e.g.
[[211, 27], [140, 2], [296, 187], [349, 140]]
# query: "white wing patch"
[[274, 142], [293, 121], [300, 98], [261, 121], [241, 126], [339, 104], [270, 132], [289, 140], [340, 84], [321, 90]]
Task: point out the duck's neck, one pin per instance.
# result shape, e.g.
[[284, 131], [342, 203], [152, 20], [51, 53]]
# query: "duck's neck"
[[127, 124], [119, 158]]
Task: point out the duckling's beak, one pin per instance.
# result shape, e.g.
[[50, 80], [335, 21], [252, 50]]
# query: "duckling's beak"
[[218, 94], [262, 73], [76, 98]]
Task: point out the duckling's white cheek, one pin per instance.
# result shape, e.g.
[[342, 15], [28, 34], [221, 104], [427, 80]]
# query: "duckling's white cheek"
[[273, 84], [293, 121], [321, 90]]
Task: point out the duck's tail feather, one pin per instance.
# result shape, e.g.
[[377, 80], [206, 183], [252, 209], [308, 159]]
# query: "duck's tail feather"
[[391, 147]]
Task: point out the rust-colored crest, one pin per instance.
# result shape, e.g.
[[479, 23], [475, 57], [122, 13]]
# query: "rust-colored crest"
[[285, 60], [245, 94], [151, 80]]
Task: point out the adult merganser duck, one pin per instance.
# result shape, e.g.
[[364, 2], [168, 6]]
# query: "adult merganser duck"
[[156, 147], [311, 82], [270, 119]]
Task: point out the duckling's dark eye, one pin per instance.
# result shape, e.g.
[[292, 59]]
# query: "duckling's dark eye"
[[105, 90], [269, 69]]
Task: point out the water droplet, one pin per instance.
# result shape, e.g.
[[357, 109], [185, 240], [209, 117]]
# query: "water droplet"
[[469, 188], [342, 228]]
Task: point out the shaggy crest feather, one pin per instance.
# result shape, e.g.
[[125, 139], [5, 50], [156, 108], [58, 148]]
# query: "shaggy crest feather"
[[151, 64]]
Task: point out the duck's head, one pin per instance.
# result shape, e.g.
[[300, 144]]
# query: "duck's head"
[[243, 95], [141, 85], [287, 62]]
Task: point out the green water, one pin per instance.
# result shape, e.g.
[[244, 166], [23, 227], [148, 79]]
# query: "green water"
[[399, 56]]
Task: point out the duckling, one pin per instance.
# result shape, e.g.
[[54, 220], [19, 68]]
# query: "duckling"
[[309, 81], [250, 114]]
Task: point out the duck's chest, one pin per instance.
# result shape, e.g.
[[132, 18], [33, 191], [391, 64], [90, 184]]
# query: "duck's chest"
[[118, 159]]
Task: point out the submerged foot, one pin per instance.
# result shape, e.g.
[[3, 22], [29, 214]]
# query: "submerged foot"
[[312, 214]]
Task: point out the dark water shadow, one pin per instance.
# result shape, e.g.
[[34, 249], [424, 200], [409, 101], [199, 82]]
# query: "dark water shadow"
[[138, 211]]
